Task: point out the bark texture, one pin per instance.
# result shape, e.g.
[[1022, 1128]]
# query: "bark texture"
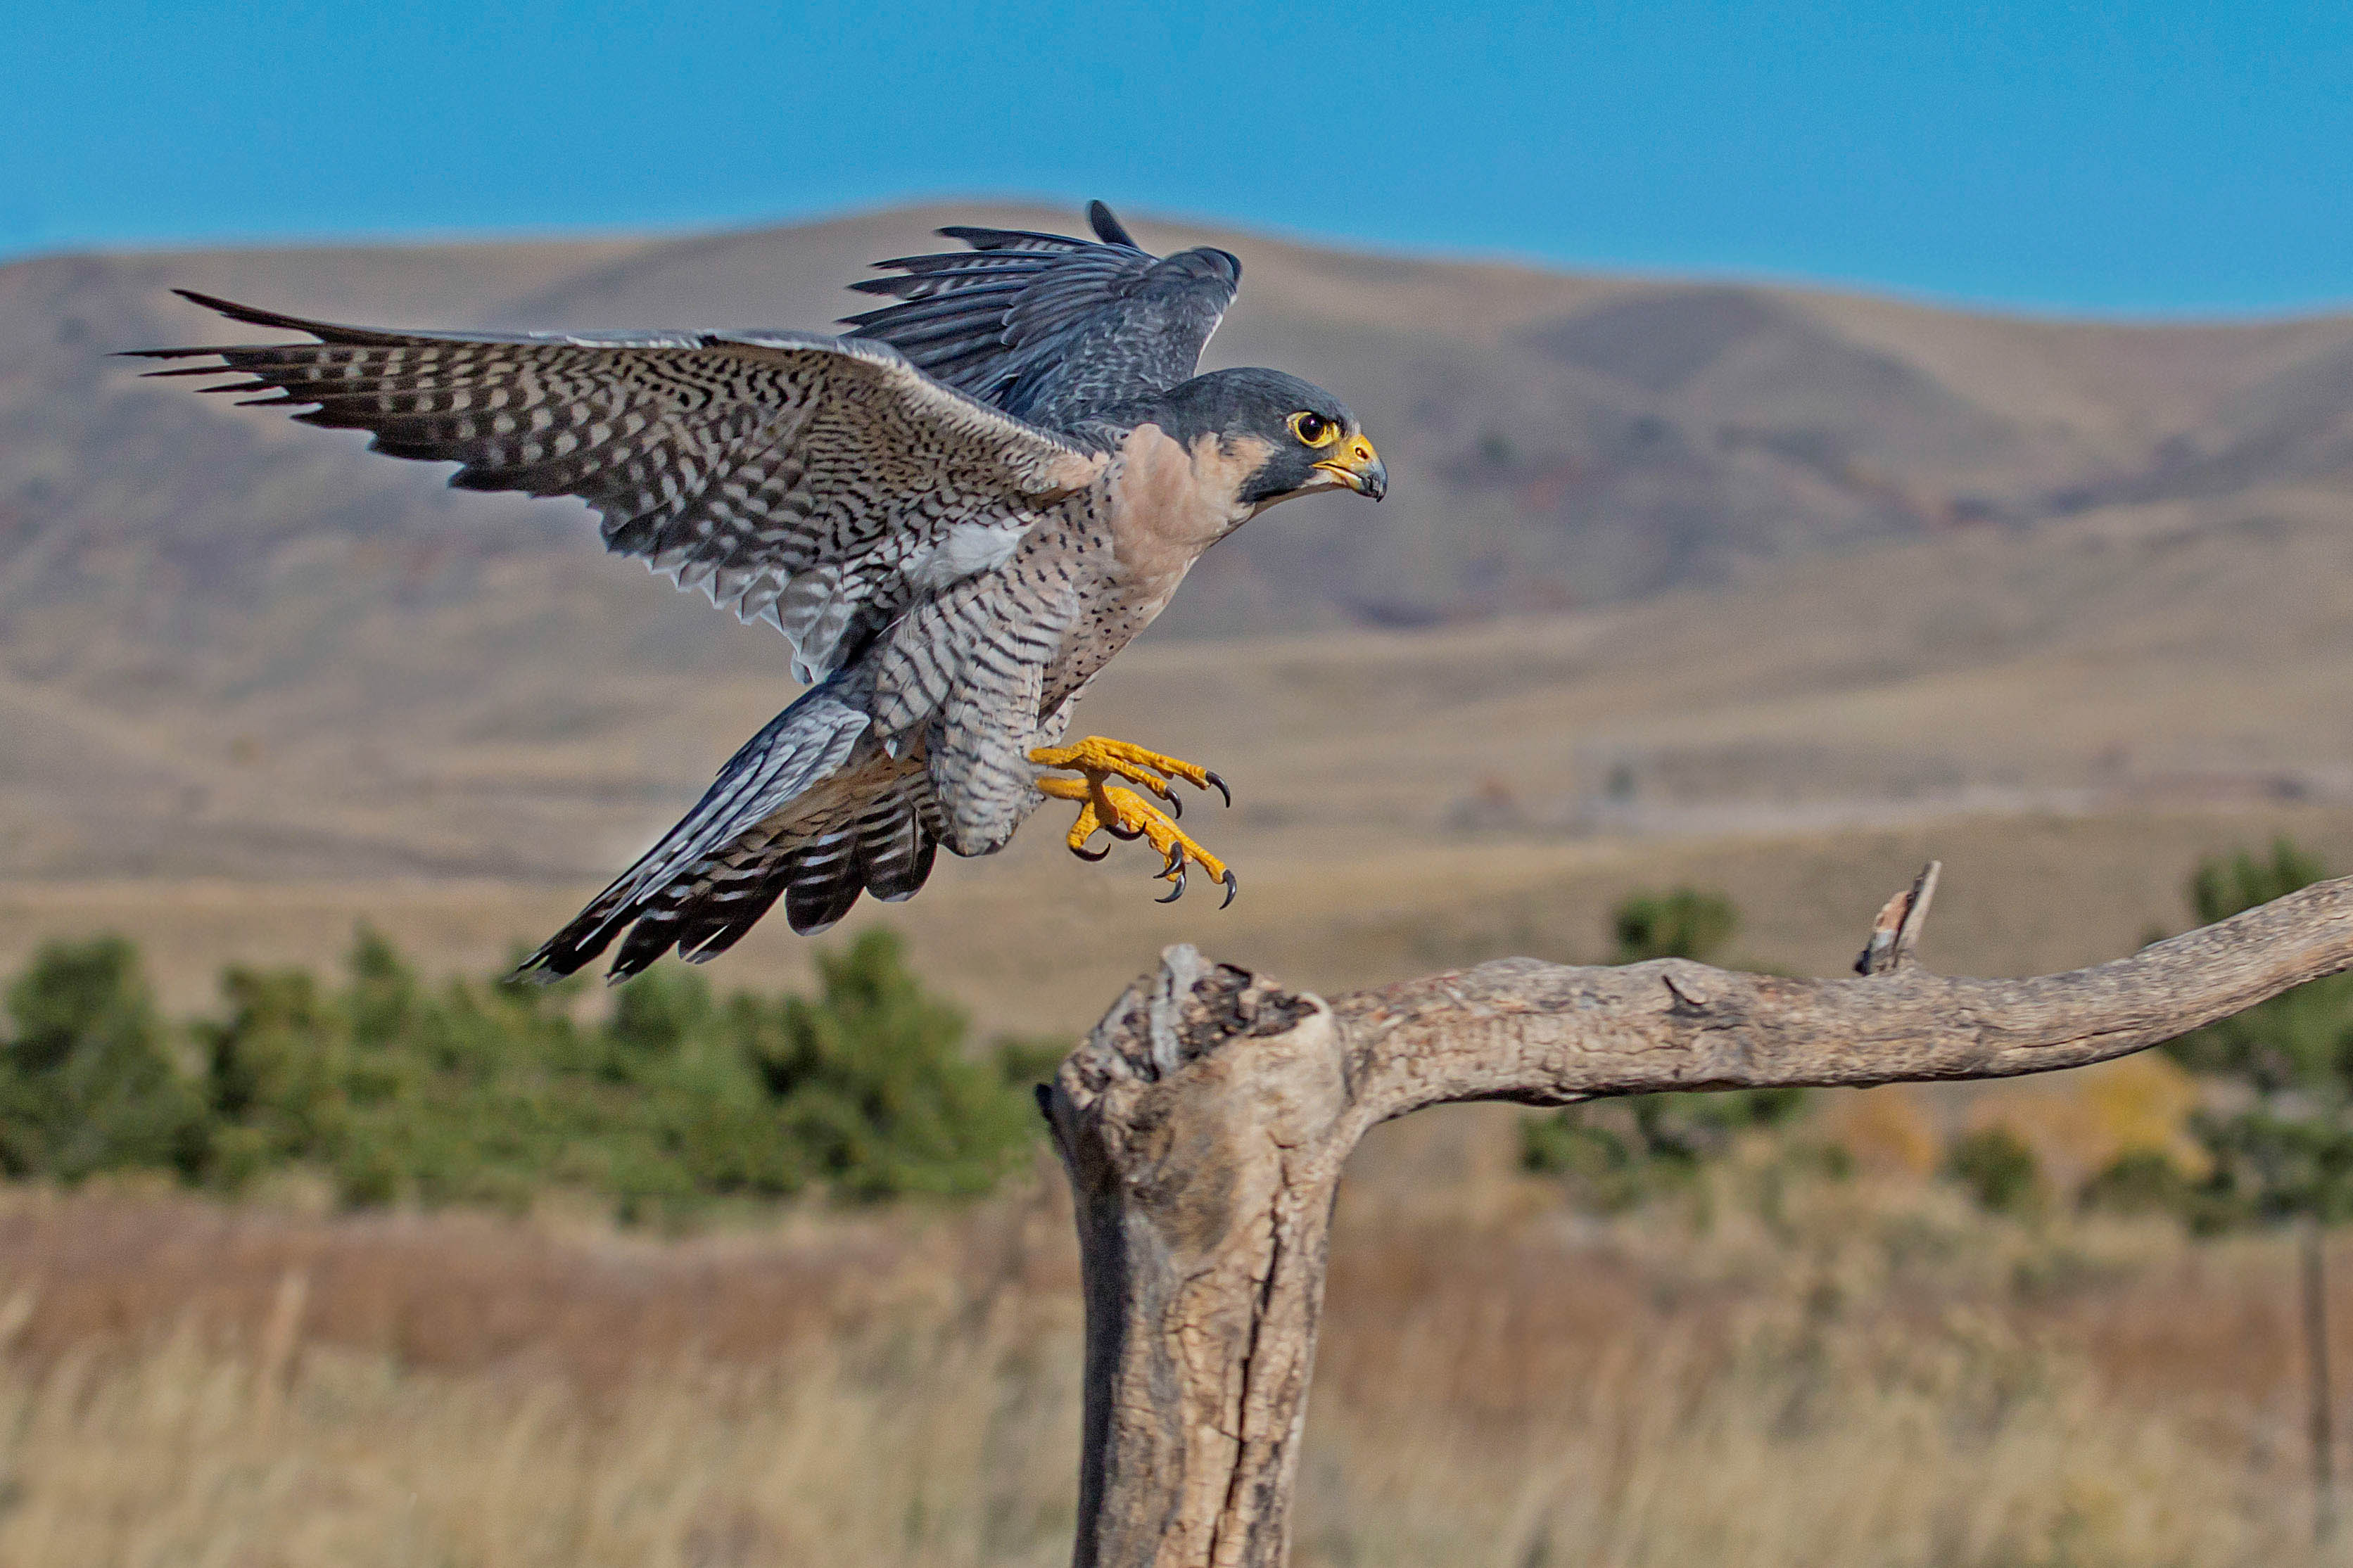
[[1205, 1121]]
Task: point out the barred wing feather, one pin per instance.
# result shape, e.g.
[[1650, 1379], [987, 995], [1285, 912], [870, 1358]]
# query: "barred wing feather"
[[806, 480]]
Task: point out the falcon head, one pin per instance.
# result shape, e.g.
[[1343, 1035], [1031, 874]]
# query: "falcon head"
[[1296, 437]]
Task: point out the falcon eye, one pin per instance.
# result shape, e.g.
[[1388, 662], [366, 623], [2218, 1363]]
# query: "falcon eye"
[[1313, 429]]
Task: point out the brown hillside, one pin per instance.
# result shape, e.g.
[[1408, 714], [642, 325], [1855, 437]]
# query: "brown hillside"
[[1662, 563]]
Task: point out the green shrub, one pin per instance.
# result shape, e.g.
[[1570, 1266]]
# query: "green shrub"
[[1618, 1153], [1684, 923], [869, 1078], [2281, 1137], [2141, 1182], [398, 1090], [1999, 1171], [86, 1082], [2301, 1040]]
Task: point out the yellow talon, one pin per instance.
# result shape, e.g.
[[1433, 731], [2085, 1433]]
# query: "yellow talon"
[[1124, 813], [1100, 759], [1089, 820]]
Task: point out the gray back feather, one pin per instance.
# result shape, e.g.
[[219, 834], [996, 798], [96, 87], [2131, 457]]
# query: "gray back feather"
[[1049, 328]]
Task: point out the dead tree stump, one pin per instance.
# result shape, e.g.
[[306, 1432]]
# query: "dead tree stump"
[[1205, 1121]]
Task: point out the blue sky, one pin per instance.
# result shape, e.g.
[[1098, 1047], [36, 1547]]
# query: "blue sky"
[[2165, 158]]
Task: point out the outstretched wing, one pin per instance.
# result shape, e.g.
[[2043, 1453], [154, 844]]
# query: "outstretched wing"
[[817, 483], [1052, 329]]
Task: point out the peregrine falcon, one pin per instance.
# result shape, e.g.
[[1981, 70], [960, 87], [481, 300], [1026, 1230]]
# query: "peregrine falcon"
[[956, 515]]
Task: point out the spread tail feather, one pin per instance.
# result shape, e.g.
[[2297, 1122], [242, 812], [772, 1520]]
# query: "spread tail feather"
[[762, 829]]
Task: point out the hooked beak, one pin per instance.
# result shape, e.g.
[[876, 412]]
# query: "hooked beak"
[[1360, 468]]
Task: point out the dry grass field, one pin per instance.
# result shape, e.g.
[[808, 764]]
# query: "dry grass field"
[[1806, 1373]]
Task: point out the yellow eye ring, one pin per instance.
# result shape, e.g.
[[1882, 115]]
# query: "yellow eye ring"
[[1313, 429]]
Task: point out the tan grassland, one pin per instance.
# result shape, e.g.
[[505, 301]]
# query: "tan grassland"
[[1793, 1372]]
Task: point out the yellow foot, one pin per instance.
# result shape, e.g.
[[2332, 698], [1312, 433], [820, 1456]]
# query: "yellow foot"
[[1100, 759], [1124, 813]]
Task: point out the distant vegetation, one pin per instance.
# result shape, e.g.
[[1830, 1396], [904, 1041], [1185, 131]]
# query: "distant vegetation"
[[2280, 1142], [2276, 1132], [394, 1089], [1998, 1169], [2278, 1135], [2275, 1138]]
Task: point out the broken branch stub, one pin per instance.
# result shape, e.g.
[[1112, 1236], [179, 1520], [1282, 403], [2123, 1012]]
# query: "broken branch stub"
[[1895, 934], [1205, 1121]]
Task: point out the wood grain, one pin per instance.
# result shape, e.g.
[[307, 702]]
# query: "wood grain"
[[1205, 1121]]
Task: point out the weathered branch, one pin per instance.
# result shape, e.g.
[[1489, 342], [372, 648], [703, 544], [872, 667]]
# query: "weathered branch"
[[1205, 1121]]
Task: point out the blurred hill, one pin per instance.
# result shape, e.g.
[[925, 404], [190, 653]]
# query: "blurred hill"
[[1661, 563]]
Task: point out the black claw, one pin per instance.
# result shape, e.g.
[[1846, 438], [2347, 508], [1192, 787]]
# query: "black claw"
[[1175, 861], [1124, 835], [1081, 851], [1231, 888], [1176, 806], [1176, 892], [1220, 786]]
